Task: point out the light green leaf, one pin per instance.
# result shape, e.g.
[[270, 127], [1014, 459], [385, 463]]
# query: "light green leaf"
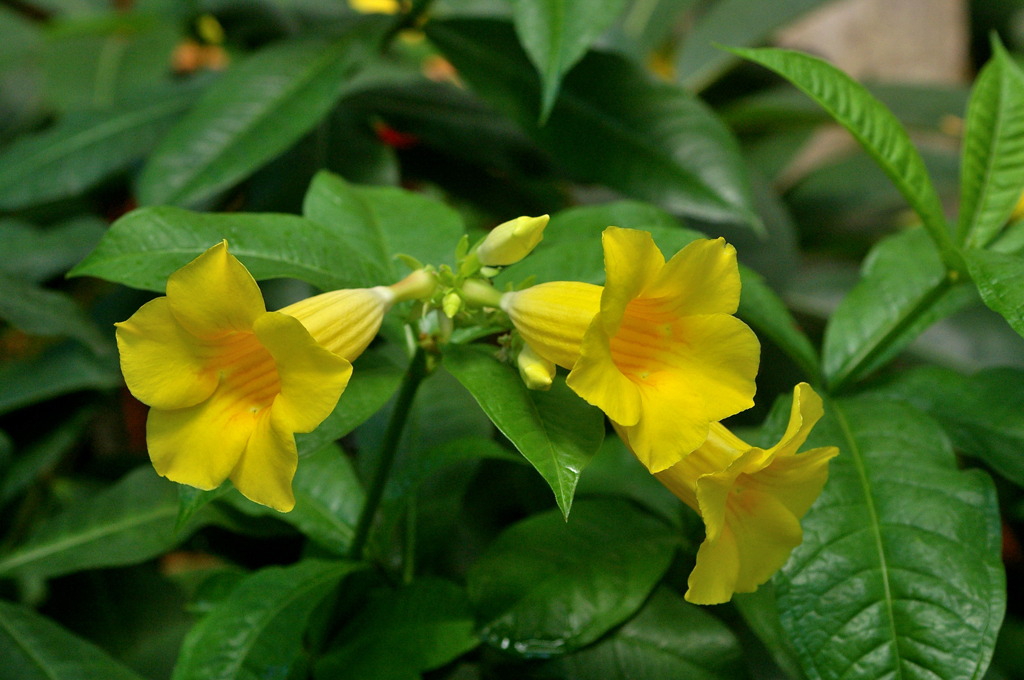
[[899, 573], [377, 223], [992, 166], [611, 124], [40, 311], [669, 638], [871, 123], [254, 112], [36, 254], [731, 22], [399, 633], [82, 150], [1000, 280], [128, 523], [147, 245], [556, 33], [62, 369], [546, 586], [257, 630], [35, 648], [903, 289], [556, 430]]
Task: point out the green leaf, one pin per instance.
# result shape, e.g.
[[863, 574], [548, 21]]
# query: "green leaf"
[[147, 245], [377, 223], [254, 112], [903, 289], [588, 221], [992, 166], [400, 633], [899, 573], [762, 308], [35, 254], [82, 150], [731, 22], [760, 612], [40, 311], [546, 586], [128, 523], [669, 638], [1000, 280], [556, 430], [871, 123], [416, 469], [62, 369], [611, 124], [556, 33], [981, 413], [42, 456], [35, 648], [257, 631]]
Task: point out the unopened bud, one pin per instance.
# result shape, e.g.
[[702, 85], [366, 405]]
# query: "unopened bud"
[[536, 371], [511, 241], [451, 304]]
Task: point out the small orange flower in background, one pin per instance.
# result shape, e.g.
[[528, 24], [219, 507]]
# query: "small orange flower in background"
[[229, 383], [751, 501]]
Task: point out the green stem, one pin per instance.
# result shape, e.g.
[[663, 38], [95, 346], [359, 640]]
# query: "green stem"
[[389, 447]]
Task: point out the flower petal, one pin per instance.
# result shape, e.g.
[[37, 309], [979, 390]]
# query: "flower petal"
[[673, 422], [631, 263], [343, 321], [713, 579], [795, 480], [265, 470], [162, 363], [214, 294], [805, 412], [702, 278], [312, 378], [597, 379], [554, 317]]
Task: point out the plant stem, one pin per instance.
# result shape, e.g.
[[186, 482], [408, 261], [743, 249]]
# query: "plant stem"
[[415, 374]]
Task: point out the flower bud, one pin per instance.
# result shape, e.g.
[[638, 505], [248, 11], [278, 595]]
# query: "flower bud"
[[511, 241], [536, 371]]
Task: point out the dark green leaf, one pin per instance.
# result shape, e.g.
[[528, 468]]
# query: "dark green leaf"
[[546, 586], [378, 223], [981, 412], [40, 311], [768, 314], [68, 367], [992, 167], [904, 289], [400, 633], [128, 523], [611, 124], [80, 151], [556, 430], [422, 465], [588, 221], [760, 611], [256, 111], [34, 648], [42, 456], [1000, 280], [870, 122], [669, 638], [257, 631], [899, 573], [147, 245], [556, 33], [35, 254]]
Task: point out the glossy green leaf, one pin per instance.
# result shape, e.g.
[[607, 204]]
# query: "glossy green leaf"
[[62, 369], [870, 122], [992, 166], [82, 150], [416, 469], [377, 223], [899, 573], [128, 523], [762, 308], [41, 311], [903, 289], [546, 586], [588, 221], [611, 124], [147, 245], [731, 22], [257, 630], [34, 648], [1000, 280], [668, 638], [760, 612], [36, 254], [399, 633], [556, 33], [556, 430], [981, 412], [254, 112], [42, 456]]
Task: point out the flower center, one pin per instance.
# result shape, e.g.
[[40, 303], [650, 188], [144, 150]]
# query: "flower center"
[[645, 345], [248, 374]]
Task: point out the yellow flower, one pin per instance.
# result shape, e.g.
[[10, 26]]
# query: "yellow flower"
[[511, 241], [376, 6], [657, 348], [229, 383], [751, 501]]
